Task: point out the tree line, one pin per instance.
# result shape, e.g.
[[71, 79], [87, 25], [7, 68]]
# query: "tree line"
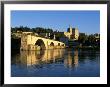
[[89, 40], [35, 30], [83, 39], [39, 30]]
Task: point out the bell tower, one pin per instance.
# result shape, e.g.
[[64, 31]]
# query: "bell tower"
[[70, 29]]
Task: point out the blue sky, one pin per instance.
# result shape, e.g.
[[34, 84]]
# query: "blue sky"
[[86, 21]]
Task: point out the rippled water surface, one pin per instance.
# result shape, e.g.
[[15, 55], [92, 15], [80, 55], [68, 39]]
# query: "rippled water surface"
[[56, 63]]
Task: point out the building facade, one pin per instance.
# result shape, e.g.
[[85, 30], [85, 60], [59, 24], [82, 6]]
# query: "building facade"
[[72, 33]]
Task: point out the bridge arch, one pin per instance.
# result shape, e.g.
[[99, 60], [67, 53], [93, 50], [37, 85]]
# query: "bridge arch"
[[51, 44], [40, 43], [63, 45], [58, 44]]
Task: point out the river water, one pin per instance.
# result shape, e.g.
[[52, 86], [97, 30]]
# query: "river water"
[[56, 63]]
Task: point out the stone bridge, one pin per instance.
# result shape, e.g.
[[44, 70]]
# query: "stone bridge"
[[34, 42]]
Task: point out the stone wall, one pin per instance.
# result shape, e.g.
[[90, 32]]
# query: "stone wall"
[[28, 42]]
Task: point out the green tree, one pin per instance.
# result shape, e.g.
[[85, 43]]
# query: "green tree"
[[91, 39], [82, 38]]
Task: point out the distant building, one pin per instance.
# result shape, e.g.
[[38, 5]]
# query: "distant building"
[[72, 33]]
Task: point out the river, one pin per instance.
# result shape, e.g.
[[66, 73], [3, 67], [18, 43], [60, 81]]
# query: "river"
[[56, 63]]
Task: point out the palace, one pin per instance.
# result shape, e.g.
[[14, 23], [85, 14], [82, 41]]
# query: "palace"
[[72, 33]]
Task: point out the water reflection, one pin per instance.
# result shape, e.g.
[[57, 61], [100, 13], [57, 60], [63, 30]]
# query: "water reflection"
[[71, 60], [58, 62], [29, 58]]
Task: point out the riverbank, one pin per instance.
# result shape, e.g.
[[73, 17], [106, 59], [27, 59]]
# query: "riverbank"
[[85, 47]]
